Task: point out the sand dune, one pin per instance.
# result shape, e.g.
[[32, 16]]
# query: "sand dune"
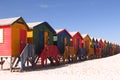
[[98, 69]]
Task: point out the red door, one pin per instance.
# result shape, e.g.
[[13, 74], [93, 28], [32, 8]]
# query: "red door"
[[22, 39]]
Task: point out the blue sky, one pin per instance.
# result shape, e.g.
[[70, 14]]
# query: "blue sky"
[[98, 18]]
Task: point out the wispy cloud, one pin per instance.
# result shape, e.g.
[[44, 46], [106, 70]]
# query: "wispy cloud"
[[43, 6], [49, 5]]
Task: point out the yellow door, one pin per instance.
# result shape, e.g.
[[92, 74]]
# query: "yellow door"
[[65, 41], [46, 37]]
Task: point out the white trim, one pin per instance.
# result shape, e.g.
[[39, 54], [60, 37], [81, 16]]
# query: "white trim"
[[1, 35]]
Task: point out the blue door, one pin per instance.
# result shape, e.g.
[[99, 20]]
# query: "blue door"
[[41, 41]]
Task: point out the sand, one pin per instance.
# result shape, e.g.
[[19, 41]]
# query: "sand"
[[97, 69]]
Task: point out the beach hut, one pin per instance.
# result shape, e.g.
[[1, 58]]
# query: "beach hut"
[[64, 42], [41, 34], [97, 49], [111, 49], [101, 46], [106, 48], [88, 45], [77, 42], [113, 46], [12, 37], [116, 48]]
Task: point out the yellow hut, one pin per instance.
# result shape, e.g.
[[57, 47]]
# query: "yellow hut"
[[88, 45]]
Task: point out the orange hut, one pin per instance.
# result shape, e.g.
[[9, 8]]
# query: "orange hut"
[[88, 45], [12, 37]]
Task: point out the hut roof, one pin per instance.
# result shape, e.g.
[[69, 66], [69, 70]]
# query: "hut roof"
[[73, 33], [84, 35], [61, 30], [8, 21], [36, 24], [99, 39], [33, 24]]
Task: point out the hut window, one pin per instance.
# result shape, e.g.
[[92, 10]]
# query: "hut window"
[[54, 38], [30, 34], [1, 35], [91, 45]]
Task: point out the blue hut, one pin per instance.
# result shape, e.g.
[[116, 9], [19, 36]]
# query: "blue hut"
[[63, 39]]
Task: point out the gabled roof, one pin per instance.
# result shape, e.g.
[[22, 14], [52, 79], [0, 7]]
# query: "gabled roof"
[[33, 24], [36, 24], [99, 39], [86, 35], [8, 21], [73, 33], [58, 31]]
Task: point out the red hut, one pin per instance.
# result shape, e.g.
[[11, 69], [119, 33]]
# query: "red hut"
[[77, 42], [101, 46]]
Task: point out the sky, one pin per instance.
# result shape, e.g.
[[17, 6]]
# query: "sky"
[[97, 18]]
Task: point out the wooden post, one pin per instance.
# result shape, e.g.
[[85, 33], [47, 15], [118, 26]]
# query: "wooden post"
[[1, 63], [10, 64], [27, 62], [21, 64]]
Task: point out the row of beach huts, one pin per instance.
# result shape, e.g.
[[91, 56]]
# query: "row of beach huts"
[[27, 45]]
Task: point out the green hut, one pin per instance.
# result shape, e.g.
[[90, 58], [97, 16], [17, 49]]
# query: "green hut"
[[42, 35]]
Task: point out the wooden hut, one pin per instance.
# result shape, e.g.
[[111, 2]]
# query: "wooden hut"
[[88, 45], [63, 42], [113, 46], [41, 34], [12, 37], [111, 49], [101, 46], [97, 49], [106, 48], [77, 42]]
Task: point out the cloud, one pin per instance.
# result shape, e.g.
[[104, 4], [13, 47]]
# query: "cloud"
[[43, 6]]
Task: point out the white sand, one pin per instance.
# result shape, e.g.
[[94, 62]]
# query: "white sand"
[[99, 69]]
